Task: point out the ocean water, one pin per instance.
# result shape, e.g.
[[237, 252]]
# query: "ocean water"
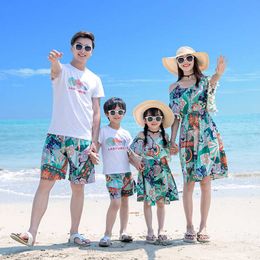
[[22, 142]]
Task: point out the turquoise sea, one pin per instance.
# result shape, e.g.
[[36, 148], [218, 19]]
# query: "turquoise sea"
[[22, 140]]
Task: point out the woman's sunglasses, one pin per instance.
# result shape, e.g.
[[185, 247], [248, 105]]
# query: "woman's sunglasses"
[[189, 58], [119, 112], [151, 118], [79, 47]]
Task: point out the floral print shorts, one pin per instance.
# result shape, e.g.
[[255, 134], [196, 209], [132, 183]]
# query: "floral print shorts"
[[59, 152], [120, 185]]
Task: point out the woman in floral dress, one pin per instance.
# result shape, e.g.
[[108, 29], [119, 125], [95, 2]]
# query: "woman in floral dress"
[[202, 154]]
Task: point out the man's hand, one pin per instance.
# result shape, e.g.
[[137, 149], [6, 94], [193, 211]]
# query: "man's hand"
[[94, 157], [93, 147], [54, 56]]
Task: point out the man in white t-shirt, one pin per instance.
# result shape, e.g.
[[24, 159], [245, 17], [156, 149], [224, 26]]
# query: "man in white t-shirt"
[[72, 135]]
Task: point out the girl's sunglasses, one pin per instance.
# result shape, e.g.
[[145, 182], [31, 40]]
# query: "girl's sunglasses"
[[189, 58], [119, 112], [79, 47], [151, 118]]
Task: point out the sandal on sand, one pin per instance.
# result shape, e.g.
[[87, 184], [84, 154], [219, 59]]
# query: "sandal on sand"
[[105, 241], [150, 239], [162, 238], [203, 238], [124, 237], [17, 237], [83, 240], [189, 237]]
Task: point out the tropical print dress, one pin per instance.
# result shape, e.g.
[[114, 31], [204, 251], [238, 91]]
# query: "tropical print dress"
[[201, 149], [156, 181]]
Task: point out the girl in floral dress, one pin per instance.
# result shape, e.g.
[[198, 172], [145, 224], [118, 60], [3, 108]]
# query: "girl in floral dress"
[[202, 154], [155, 185]]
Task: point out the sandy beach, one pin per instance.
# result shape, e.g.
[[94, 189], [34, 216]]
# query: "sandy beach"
[[233, 225]]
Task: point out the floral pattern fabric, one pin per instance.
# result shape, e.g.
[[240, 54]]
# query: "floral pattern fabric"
[[59, 152], [156, 181], [120, 185], [201, 148]]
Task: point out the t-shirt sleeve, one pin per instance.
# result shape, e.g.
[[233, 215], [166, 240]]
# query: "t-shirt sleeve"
[[99, 90]]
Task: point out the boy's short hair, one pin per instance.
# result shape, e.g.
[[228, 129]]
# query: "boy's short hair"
[[112, 103], [83, 34]]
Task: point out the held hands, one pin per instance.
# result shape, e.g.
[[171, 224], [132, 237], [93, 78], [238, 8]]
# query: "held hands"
[[221, 65], [93, 147], [94, 157], [54, 56], [139, 165], [174, 149], [136, 161], [93, 154]]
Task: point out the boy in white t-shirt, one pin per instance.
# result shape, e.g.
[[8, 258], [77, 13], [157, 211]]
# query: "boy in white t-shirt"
[[114, 142]]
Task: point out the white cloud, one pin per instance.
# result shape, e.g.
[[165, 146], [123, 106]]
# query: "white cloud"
[[23, 72], [242, 77], [127, 82]]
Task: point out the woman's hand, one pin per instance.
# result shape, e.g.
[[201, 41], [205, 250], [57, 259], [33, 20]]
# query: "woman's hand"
[[221, 65], [174, 149]]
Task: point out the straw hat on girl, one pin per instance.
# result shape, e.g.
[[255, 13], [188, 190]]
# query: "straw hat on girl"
[[139, 110]]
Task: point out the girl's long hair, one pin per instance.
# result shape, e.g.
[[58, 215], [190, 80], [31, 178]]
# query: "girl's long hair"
[[197, 72], [154, 112]]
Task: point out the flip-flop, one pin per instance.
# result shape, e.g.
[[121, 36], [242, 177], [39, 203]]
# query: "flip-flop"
[[203, 238], [124, 237], [162, 238], [189, 237], [17, 237], [150, 239], [84, 241], [105, 241]]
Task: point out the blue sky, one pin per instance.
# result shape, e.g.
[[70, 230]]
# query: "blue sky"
[[131, 38]]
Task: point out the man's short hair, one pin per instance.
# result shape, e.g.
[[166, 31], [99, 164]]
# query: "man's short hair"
[[83, 34]]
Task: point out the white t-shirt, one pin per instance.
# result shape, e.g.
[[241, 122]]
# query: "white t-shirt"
[[72, 113], [114, 145]]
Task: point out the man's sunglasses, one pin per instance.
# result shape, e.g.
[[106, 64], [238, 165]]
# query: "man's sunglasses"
[[151, 118], [79, 47], [119, 112], [189, 58]]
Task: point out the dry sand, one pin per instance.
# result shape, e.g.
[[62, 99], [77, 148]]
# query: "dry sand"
[[233, 225]]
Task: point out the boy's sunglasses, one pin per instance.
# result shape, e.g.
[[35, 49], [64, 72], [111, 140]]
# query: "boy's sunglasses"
[[189, 58], [119, 112], [151, 118], [79, 47]]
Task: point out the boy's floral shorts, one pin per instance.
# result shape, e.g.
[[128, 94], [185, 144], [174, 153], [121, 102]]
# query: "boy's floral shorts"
[[120, 185]]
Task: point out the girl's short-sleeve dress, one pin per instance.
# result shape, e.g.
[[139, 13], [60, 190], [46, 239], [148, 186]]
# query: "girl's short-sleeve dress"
[[201, 148], [156, 181]]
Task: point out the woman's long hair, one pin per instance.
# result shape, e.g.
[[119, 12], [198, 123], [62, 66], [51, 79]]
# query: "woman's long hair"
[[154, 112], [196, 70]]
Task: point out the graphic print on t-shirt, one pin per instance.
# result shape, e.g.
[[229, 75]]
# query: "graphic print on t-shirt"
[[78, 85], [116, 144]]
